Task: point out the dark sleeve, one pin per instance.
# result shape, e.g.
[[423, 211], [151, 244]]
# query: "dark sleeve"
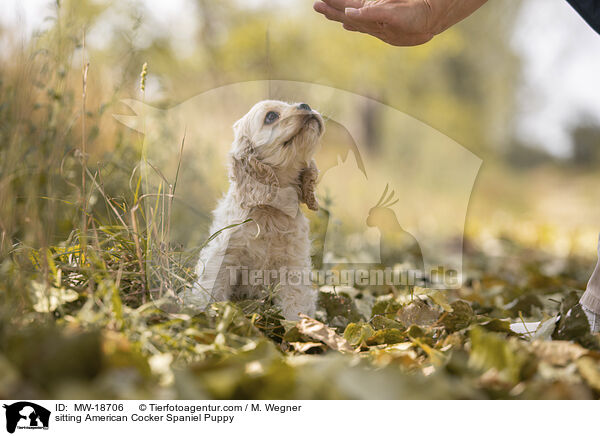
[[589, 11]]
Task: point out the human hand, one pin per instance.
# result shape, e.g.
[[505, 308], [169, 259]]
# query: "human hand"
[[398, 22]]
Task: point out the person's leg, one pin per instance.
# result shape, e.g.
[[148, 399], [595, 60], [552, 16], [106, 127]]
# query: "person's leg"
[[590, 301]]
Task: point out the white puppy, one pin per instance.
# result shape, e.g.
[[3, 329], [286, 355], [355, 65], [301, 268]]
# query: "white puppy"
[[271, 170]]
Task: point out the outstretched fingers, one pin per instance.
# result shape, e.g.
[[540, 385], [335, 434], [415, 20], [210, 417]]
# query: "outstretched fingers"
[[371, 17], [370, 13], [334, 9], [341, 5], [329, 12]]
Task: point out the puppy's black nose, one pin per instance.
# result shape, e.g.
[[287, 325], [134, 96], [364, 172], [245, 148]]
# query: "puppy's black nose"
[[304, 107]]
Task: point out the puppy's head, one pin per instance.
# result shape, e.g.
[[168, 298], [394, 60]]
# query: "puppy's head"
[[279, 134], [275, 143]]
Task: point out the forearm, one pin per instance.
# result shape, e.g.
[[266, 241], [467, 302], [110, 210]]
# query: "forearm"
[[446, 13]]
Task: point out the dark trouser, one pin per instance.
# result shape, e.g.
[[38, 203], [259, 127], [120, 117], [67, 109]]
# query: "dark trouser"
[[589, 11]]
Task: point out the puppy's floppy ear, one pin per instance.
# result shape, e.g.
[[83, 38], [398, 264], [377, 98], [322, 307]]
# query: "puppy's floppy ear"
[[256, 181], [308, 179]]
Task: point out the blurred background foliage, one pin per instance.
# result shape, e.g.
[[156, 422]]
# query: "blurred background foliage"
[[464, 85], [531, 228]]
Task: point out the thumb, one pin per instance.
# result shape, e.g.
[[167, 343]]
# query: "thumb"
[[368, 13]]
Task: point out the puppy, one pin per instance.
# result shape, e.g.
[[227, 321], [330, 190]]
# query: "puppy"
[[262, 238]]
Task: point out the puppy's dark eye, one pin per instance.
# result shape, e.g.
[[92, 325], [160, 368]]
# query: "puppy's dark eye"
[[271, 117]]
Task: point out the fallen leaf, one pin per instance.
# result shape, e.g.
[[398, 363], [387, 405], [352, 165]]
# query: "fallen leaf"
[[545, 329], [338, 305], [589, 370], [558, 352], [492, 350], [358, 333], [303, 347], [402, 354], [386, 336], [386, 307], [527, 329], [459, 318], [573, 323], [381, 322], [417, 313], [317, 330], [437, 297], [496, 325]]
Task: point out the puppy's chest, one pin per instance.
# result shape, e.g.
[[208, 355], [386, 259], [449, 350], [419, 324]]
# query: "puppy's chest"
[[273, 223]]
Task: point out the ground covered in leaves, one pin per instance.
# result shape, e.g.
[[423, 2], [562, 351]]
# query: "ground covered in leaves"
[[70, 342]]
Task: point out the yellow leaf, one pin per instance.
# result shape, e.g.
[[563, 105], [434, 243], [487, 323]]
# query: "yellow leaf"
[[317, 330]]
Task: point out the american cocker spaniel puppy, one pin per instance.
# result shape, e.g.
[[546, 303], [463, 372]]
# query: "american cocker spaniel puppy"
[[264, 237]]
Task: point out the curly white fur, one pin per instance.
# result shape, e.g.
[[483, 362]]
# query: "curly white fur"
[[271, 169]]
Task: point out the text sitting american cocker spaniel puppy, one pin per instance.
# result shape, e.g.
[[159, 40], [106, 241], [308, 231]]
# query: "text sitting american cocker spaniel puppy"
[[271, 169]]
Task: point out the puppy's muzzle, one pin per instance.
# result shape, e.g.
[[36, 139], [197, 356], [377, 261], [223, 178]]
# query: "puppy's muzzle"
[[310, 118], [310, 115]]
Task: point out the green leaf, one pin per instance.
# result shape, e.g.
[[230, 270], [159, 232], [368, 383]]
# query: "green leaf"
[[381, 322], [386, 336], [358, 333], [339, 305], [492, 350], [387, 307], [461, 316]]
